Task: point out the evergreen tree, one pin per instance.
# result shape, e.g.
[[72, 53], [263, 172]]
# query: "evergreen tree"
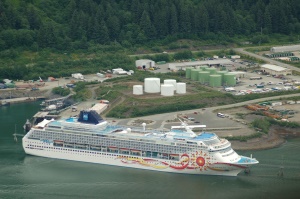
[[184, 19], [33, 18], [173, 25], [145, 25], [103, 34], [267, 21], [113, 26]]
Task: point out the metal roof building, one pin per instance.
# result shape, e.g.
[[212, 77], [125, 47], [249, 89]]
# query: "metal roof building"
[[183, 65], [285, 48], [275, 70]]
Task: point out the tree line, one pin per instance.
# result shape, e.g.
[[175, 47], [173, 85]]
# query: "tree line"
[[75, 24]]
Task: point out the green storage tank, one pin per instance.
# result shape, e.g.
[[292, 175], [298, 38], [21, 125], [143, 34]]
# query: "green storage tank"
[[194, 74], [188, 72], [203, 67], [215, 80], [203, 76], [229, 79], [211, 70], [222, 72]]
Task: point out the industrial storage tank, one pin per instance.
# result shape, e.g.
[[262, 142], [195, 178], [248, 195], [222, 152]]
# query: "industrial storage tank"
[[181, 88], [167, 90], [203, 67], [203, 76], [211, 70], [222, 74], [152, 85], [229, 79], [138, 90], [194, 74], [188, 72], [171, 82], [215, 80]]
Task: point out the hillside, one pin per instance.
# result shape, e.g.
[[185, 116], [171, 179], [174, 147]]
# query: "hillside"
[[76, 24], [42, 38]]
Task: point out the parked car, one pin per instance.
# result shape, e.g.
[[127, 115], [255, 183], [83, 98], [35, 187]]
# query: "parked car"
[[220, 115]]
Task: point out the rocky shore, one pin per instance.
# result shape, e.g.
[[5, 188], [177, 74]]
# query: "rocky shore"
[[276, 137]]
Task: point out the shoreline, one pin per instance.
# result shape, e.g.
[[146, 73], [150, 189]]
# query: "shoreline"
[[275, 137]]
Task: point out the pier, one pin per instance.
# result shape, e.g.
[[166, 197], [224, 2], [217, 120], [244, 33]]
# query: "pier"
[[56, 100], [22, 99]]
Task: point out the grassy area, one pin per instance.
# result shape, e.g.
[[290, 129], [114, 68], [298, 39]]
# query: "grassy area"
[[198, 96]]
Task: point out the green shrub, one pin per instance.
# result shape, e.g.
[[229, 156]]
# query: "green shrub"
[[61, 91], [263, 124], [187, 54]]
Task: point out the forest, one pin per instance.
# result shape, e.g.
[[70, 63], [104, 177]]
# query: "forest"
[[73, 24], [108, 29]]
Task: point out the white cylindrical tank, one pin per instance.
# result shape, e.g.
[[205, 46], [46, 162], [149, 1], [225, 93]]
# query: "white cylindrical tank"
[[138, 90], [152, 85], [181, 88], [167, 90], [171, 82]]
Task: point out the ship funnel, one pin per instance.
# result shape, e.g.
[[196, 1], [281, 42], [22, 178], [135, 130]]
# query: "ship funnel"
[[144, 126]]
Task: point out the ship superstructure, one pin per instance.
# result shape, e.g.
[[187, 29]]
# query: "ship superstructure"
[[89, 138]]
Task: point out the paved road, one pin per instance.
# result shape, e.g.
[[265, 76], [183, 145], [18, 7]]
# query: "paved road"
[[242, 51], [161, 118], [268, 60]]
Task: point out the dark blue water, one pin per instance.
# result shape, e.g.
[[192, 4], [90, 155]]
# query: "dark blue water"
[[23, 176]]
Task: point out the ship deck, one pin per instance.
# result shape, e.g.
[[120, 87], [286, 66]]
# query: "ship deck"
[[134, 132]]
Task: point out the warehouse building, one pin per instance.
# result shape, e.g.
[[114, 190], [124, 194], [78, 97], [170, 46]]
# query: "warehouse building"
[[275, 70], [210, 63], [144, 63], [285, 48]]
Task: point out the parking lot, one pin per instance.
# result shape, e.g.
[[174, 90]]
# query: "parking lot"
[[267, 83]]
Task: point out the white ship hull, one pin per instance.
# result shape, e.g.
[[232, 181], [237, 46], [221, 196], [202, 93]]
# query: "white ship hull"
[[40, 148]]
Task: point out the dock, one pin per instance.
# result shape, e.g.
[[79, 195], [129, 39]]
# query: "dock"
[[56, 100], [22, 99]]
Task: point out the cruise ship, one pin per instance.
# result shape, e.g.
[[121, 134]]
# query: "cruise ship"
[[89, 138]]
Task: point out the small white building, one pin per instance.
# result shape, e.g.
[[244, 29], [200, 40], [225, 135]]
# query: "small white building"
[[275, 70], [77, 76], [144, 63]]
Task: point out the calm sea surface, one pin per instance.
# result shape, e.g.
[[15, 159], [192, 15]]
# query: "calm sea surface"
[[24, 176]]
